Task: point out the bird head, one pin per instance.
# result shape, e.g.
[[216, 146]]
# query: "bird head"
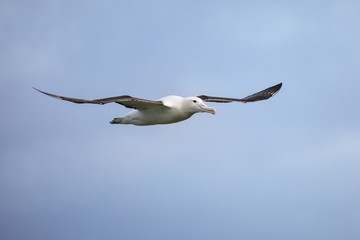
[[195, 105]]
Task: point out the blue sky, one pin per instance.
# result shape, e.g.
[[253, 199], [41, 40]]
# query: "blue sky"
[[286, 168]]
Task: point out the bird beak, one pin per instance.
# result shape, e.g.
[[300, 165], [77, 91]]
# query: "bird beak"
[[205, 108]]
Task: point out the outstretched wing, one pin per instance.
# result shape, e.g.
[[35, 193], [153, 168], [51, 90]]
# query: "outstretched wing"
[[125, 100], [262, 95]]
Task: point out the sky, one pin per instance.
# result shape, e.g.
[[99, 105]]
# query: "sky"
[[285, 168]]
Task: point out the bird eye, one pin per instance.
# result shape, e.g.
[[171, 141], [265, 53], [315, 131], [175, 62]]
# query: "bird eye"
[[194, 101]]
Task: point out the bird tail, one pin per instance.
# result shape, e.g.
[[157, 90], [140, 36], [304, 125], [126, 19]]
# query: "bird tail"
[[117, 121]]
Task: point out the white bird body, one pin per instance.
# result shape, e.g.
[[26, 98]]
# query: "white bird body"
[[170, 109], [174, 109]]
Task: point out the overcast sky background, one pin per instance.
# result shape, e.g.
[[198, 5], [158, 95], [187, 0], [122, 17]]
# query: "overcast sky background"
[[285, 168]]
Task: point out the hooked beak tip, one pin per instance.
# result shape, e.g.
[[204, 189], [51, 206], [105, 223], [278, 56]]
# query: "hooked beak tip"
[[208, 109]]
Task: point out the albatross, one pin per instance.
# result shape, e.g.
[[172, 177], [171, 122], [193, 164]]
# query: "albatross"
[[169, 109]]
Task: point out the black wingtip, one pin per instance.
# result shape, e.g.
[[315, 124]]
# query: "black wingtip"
[[42, 91], [39, 90], [277, 88], [49, 94]]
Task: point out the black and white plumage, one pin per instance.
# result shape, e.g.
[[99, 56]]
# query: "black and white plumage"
[[170, 109]]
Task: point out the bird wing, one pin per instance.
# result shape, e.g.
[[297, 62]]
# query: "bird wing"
[[262, 95], [125, 100]]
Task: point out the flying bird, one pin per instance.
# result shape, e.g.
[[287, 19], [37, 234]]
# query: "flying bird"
[[169, 109]]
